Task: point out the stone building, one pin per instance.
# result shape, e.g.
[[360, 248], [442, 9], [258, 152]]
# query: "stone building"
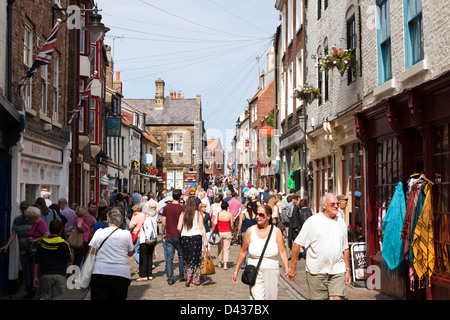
[[176, 124], [404, 127], [335, 155]]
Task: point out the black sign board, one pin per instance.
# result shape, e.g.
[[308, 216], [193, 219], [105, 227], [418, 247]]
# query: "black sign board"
[[358, 258]]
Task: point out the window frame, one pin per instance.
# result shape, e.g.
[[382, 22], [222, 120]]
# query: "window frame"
[[384, 41], [55, 115], [413, 22], [174, 142], [351, 45], [43, 106]]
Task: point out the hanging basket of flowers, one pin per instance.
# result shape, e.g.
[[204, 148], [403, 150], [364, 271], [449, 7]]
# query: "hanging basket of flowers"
[[340, 59], [307, 93], [148, 169]]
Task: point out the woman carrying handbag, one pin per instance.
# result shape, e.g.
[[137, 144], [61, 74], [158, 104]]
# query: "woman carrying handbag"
[[264, 242]]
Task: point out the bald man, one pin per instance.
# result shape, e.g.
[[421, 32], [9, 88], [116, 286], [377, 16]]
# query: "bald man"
[[324, 236]]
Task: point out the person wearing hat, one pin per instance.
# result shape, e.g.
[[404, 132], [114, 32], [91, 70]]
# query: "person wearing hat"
[[171, 235], [20, 228]]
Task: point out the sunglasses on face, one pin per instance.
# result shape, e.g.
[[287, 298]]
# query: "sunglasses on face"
[[334, 204], [261, 215]]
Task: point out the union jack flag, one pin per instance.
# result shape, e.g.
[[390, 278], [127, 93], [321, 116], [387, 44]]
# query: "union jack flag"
[[84, 97], [43, 58]]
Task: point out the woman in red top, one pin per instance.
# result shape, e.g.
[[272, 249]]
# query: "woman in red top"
[[224, 220]]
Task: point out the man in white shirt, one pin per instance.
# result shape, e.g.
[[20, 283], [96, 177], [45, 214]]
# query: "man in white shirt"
[[324, 235], [343, 202]]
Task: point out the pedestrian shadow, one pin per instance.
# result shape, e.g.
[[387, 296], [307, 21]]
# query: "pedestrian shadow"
[[208, 281]]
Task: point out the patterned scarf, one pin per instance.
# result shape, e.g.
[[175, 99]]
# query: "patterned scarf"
[[423, 241]]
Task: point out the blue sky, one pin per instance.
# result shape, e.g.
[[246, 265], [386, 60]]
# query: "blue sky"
[[207, 47]]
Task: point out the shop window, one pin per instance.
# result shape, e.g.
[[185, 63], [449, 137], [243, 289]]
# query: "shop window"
[[175, 179], [325, 178], [388, 171], [353, 184], [441, 157]]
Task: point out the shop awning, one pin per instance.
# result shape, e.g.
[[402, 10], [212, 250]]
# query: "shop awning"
[[293, 138]]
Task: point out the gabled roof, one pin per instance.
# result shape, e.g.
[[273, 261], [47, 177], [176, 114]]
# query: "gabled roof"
[[213, 144], [175, 111]]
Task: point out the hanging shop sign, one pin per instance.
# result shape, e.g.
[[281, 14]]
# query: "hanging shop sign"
[[135, 165], [113, 127], [267, 131]]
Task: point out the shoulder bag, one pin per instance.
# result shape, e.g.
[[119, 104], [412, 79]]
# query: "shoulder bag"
[[88, 264], [154, 239], [76, 238], [250, 272], [32, 247], [214, 238]]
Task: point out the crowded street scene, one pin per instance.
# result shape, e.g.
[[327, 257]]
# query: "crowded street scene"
[[214, 154]]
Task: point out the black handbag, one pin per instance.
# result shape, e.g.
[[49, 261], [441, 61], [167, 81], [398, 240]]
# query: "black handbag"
[[250, 272]]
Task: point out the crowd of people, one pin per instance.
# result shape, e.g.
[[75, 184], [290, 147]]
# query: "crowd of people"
[[182, 220]]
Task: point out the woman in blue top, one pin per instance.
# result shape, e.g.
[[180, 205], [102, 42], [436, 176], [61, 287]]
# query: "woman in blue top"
[[246, 220]]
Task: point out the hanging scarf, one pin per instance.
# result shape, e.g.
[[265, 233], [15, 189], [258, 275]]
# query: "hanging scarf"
[[423, 241], [392, 226], [409, 215]]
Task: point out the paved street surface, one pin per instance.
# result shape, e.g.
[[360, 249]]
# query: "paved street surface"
[[216, 287]]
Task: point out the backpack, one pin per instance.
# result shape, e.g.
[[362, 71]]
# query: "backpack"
[[286, 214]]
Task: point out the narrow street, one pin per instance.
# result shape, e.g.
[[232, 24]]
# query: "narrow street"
[[217, 287]]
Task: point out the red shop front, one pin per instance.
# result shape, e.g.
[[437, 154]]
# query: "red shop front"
[[405, 134]]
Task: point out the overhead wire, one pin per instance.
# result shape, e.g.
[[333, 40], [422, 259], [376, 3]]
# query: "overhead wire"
[[190, 58], [178, 39], [190, 21], [235, 15], [238, 85]]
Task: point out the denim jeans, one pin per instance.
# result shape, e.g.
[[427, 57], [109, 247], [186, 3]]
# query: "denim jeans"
[[248, 253], [171, 245], [137, 246]]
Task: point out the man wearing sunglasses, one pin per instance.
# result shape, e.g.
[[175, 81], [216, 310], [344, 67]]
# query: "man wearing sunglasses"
[[324, 235]]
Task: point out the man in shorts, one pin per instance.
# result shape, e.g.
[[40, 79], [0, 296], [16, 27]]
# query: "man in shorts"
[[324, 236]]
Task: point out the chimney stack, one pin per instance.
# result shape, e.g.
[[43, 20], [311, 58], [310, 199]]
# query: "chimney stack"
[[159, 93], [117, 84]]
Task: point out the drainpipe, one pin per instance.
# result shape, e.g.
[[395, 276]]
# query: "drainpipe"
[[9, 46]]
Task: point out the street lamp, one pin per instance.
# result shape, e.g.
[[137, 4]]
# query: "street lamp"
[[95, 25]]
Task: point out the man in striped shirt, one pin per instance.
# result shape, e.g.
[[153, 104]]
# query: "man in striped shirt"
[[20, 228]]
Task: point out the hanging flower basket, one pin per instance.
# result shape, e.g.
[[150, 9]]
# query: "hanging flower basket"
[[307, 93], [340, 59], [148, 169]]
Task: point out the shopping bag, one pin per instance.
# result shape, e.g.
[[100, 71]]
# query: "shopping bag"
[[86, 268]]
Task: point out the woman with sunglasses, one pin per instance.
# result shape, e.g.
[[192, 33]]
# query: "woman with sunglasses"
[[266, 285]]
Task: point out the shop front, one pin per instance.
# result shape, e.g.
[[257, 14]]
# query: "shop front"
[[43, 167], [293, 154], [335, 167], [407, 137], [11, 124]]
